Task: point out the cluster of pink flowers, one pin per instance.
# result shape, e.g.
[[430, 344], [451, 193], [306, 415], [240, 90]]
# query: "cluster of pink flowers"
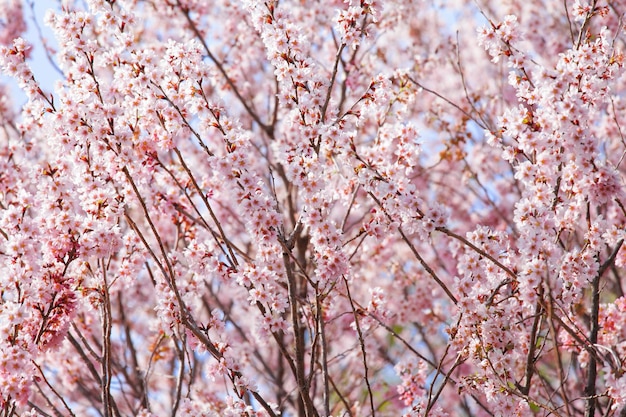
[[266, 208]]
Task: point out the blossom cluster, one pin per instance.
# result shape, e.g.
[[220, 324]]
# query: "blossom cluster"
[[266, 208]]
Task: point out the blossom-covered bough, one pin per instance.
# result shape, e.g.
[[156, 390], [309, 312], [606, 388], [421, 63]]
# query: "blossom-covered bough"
[[314, 208]]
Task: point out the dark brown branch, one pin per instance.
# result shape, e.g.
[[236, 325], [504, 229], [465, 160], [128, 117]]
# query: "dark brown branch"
[[362, 345], [303, 386], [594, 325]]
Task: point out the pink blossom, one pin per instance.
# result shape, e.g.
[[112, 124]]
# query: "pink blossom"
[[267, 208]]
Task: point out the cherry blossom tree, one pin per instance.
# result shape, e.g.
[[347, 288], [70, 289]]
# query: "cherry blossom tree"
[[314, 208]]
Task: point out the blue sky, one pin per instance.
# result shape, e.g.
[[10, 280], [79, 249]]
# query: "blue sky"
[[40, 65]]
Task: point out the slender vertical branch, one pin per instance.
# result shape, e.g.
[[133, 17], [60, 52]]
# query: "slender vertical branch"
[[324, 348], [583, 28], [332, 80], [106, 345], [530, 358], [138, 384], [303, 386], [594, 327], [590, 387], [180, 351], [362, 345]]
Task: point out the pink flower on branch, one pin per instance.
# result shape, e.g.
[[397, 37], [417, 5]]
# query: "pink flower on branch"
[[267, 208]]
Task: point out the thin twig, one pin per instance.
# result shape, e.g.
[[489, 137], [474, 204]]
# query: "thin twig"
[[107, 324], [324, 349], [56, 393], [594, 325], [267, 128], [332, 81], [362, 345]]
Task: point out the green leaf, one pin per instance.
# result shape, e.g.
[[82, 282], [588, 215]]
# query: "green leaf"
[[534, 407]]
